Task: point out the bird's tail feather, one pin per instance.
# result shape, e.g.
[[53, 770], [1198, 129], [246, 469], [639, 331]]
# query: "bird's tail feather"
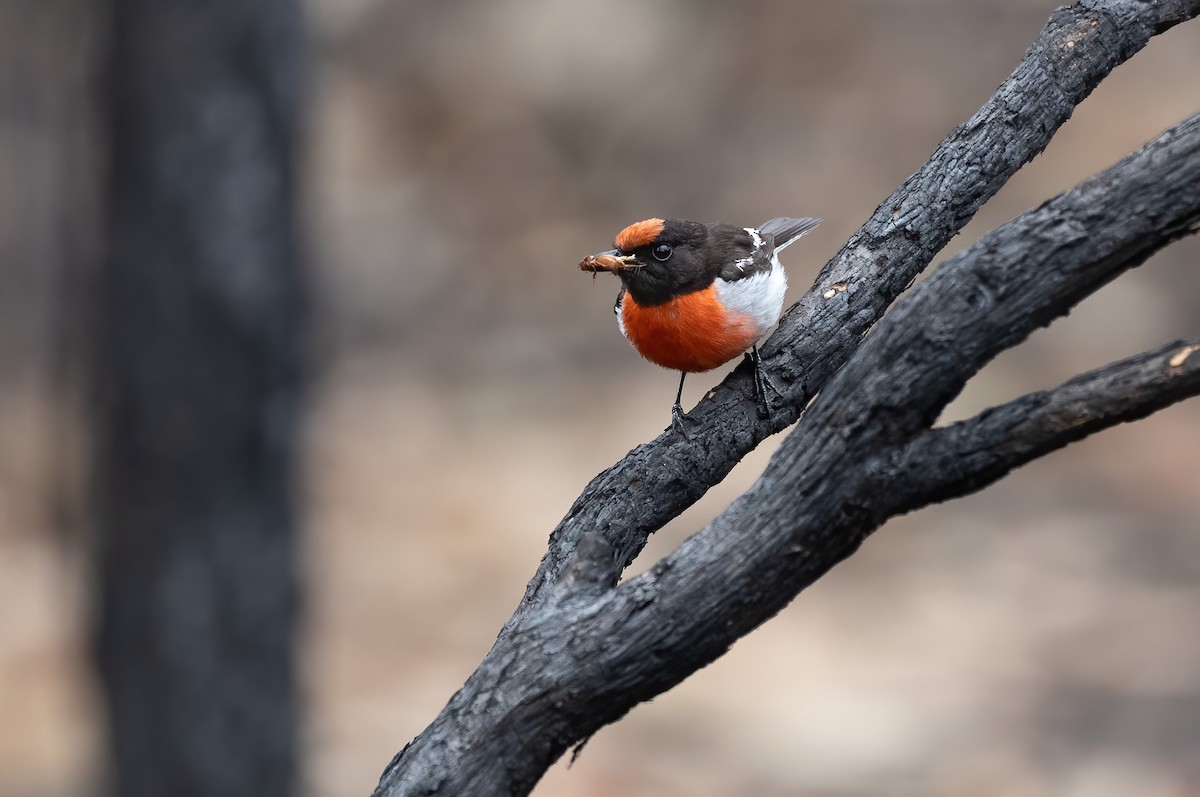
[[786, 231]]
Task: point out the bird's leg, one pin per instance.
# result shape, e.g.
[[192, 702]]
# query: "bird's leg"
[[761, 383], [677, 416]]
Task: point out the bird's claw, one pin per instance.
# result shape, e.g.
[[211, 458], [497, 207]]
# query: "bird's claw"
[[761, 383], [679, 422]]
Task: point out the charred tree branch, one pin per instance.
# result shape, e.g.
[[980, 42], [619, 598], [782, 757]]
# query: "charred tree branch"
[[967, 456], [558, 674], [580, 652]]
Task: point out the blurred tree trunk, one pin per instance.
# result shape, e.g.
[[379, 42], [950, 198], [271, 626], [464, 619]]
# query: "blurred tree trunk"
[[198, 374]]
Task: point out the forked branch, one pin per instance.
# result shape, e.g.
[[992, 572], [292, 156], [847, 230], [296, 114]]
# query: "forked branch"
[[967, 456]]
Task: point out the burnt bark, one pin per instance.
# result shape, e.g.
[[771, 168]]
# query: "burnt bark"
[[581, 650], [967, 456], [197, 374]]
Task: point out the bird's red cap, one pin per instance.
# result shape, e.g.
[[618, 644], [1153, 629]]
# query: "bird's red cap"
[[638, 234]]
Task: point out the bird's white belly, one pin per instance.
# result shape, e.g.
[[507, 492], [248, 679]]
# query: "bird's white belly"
[[758, 297]]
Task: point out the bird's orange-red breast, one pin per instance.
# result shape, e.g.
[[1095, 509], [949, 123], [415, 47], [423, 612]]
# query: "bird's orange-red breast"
[[692, 332], [694, 296]]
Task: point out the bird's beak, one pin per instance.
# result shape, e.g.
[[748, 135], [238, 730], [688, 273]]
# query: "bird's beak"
[[612, 260]]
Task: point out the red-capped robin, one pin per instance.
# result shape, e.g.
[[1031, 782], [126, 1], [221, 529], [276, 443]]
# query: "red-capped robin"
[[694, 296]]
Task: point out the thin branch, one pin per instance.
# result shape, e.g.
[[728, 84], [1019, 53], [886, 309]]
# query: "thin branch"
[[967, 456], [656, 481]]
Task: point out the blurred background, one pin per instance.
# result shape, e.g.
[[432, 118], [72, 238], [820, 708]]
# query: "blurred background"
[[453, 163]]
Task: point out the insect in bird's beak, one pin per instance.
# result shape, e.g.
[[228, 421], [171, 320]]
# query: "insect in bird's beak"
[[612, 260]]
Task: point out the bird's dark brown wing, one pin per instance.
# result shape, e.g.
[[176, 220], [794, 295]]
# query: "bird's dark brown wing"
[[745, 251], [739, 252]]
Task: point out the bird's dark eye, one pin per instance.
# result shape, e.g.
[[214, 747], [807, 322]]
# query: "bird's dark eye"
[[662, 252]]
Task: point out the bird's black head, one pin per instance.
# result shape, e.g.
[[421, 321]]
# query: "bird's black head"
[[660, 259]]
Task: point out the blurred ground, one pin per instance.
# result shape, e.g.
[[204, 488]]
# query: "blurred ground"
[[1037, 639]]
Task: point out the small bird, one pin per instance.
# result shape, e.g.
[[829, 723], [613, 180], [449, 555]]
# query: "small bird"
[[694, 296]]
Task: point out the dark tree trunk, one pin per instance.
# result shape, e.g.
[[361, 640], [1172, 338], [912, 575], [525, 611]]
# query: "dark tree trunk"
[[198, 372]]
